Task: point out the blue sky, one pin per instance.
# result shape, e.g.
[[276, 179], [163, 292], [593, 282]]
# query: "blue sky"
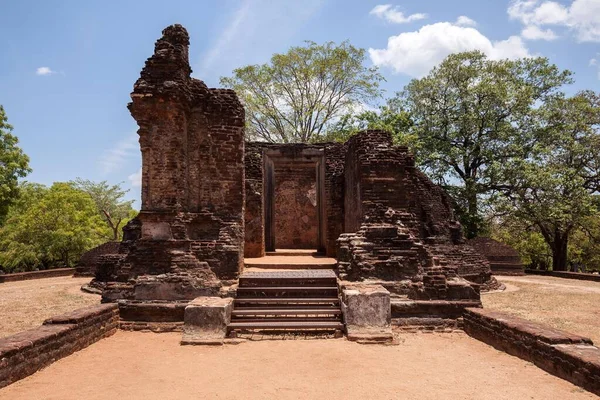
[[67, 67]]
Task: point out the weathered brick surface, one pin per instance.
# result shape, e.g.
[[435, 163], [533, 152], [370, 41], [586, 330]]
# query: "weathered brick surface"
[[88, 263], [571, 357], [402, 225], [254, 223], [189, 235], [29, 351], [503, 259], [296, 219]]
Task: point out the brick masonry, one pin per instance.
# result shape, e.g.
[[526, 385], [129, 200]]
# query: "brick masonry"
[[400, 227], [560, 353], [188, 239], [88, 263], [26, 352], [504, 260]]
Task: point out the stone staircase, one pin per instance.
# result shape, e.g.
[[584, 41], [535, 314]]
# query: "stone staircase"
[[279, 299]]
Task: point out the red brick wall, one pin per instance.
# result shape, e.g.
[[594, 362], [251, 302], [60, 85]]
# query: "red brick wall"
[[26, 352], [296, 219], [560, 353]]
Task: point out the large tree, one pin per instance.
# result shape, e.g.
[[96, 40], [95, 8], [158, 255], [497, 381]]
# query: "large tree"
[[50, 227], [14, 164], [110, 203], [389, 117], [296, 96], [554, 187], [471, 114]]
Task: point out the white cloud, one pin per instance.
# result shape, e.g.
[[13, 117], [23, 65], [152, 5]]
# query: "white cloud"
[[394, 15], [465, 21], [594, 62], [135, 179], [42, 71], [415, 53], [534, 32], [581, 16], [113, 159]]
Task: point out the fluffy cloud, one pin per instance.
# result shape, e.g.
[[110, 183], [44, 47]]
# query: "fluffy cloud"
[[581, 16], [465, 21], [534, 32], [42, 71], [415, 53], [135, 179], [392, 14]]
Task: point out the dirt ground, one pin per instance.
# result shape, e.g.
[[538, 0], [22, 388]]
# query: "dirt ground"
[[26, 304], [566, 304], [134, 365]]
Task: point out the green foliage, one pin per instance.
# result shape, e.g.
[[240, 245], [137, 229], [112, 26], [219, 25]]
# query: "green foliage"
[[14, 164], [110, 203], [390, 118], [470, 115], [554, 187], [526, 240], [296, 96], [49, 227]]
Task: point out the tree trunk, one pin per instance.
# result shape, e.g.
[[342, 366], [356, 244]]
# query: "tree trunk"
[[471, 228], [559, 252]]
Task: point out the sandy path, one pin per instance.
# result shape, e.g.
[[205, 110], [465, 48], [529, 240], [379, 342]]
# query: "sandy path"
[[566, 304], [26, 304], [133, 365]]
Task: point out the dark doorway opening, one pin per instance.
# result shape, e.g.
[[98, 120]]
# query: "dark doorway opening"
[[294, 198]]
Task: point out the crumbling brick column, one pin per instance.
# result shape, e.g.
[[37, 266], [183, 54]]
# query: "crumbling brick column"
[[190, 231]]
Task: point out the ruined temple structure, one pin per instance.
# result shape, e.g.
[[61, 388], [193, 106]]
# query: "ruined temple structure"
[[210, 202], [503, 259]]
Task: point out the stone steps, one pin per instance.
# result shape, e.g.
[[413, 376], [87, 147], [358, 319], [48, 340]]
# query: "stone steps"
[[300, 300]]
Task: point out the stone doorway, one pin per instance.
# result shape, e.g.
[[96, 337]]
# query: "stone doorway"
[[294, 198]]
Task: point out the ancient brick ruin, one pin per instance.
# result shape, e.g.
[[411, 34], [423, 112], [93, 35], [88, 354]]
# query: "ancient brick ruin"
[[188, 237], [503, 259], [209, 200]]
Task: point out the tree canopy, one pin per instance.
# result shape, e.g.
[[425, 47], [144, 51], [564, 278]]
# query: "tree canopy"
[[14, 164], [554, 187], [390, 117], [49, 227], [299, 94], [470, 115], [110, 203]]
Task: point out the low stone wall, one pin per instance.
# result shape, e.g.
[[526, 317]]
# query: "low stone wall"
[[155, 316], [568, 356], [565, 274], [25, 276], [429, 315], [26, 352]]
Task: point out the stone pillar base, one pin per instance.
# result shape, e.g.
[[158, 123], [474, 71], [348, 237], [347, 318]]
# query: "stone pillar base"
[[206, 320]]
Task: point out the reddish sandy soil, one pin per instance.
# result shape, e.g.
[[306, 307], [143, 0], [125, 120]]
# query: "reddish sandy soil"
[[26, 304], [133, 365]]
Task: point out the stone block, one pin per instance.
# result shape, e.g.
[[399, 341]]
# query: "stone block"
[[206, 320], [367, 313]]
